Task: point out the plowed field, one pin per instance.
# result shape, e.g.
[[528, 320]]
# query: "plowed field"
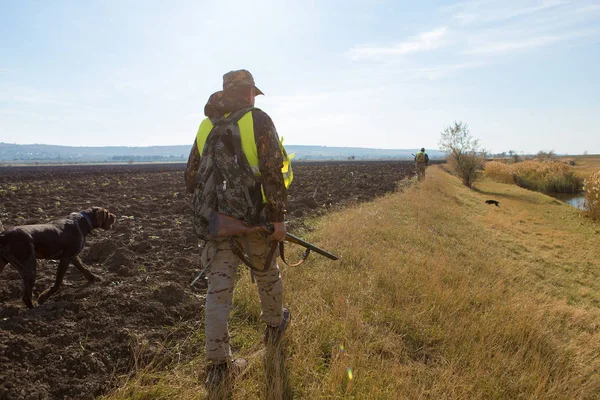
[[85, 336]]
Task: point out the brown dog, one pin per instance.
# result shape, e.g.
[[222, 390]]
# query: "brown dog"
[[62, 240]]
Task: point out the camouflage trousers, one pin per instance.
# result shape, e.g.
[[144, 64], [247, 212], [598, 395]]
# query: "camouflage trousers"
[[421, 171], [221, 281]]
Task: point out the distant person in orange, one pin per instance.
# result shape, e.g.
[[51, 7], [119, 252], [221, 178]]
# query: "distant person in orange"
[[422, 161]]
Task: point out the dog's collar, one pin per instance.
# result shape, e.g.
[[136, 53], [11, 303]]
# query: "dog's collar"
[[87, 219]]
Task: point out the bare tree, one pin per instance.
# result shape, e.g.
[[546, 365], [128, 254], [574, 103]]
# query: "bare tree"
[[545, 155], [514, 156], [465, 154]]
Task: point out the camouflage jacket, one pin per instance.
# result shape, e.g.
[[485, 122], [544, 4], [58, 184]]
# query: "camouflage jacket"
[[269, 154]]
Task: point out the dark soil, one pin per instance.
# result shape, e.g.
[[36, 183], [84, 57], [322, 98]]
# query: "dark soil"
[[85, 336]]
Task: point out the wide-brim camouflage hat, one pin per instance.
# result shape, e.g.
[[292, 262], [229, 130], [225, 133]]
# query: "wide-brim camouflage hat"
[[240, 77]]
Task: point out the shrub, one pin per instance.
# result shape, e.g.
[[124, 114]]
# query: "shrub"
[[499, 171], [591, 192], [514, 157], [545, 155], [466, 166], [464, 153]]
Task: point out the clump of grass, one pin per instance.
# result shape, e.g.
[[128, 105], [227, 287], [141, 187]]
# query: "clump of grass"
[[542, 176], [499, 172], [591, 190]]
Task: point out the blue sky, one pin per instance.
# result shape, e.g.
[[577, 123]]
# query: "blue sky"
[[381, 74]]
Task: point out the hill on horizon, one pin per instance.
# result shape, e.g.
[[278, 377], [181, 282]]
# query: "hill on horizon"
[[25, 153]]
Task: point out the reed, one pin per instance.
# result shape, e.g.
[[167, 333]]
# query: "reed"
[[542, 176], [591, 190]]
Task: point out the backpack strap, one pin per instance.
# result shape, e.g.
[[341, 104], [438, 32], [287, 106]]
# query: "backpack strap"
[[233, 117]]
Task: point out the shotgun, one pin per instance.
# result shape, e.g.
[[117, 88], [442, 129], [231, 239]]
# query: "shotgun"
[[221, 225]]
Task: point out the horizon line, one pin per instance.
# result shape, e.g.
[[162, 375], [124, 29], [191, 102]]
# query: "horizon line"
[[173, 145]]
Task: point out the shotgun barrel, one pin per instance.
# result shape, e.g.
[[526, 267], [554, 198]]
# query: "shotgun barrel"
[[295, 239]]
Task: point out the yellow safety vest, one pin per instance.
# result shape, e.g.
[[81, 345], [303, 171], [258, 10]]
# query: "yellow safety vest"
[[246, 125]]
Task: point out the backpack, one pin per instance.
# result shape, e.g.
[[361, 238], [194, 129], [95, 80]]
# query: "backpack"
[[421, 157], [225, 181]]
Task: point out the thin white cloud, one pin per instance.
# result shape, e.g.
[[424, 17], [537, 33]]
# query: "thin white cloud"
[[464, 18], [442, 71], [589, 8], [488, 27], [423, 42], [520, 43], [478, 30], [14, 111], [461, 5], [543, 6], [33, 96], [522, 12], [495, 10]]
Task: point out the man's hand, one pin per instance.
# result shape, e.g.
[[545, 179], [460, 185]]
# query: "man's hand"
[[278, 234]]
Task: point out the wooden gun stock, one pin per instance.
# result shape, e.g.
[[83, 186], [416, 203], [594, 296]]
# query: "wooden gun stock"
[[221, 225]]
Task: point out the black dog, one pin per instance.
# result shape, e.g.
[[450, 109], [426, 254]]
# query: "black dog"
[[496, 203], [62, 240]]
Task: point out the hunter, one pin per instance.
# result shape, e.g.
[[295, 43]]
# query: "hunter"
[[422, 160], [263, 152]]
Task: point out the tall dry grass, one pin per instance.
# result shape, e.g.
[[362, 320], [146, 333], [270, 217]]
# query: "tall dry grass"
[[547, 177], [591, 190], [542, 176], [436, 296], [499, 171]]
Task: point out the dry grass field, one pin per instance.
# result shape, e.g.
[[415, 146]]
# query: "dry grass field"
[[587, 165], [436, 296]]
